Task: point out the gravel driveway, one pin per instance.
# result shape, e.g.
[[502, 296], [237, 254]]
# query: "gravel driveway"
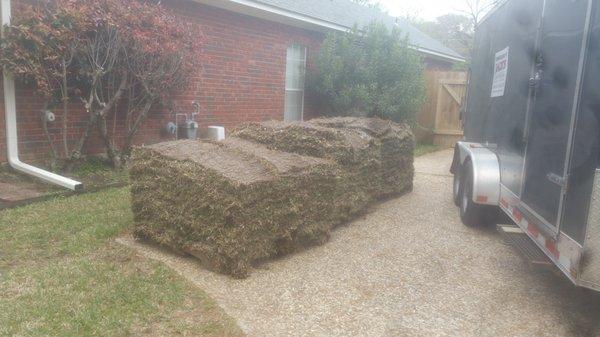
[[408, 268]]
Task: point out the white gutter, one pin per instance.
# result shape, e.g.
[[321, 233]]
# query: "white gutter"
[[12, 140]]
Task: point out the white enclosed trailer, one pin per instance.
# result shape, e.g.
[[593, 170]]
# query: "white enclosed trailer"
[[532, 130]]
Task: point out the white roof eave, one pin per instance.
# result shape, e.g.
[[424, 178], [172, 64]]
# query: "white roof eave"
[[276, 14]]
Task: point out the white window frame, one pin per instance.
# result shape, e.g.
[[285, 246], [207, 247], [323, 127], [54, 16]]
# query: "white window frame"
[[287, 89]]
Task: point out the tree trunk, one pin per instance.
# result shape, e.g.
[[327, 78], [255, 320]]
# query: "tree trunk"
[[93, 119], [95, 116], [126, 149], [111, 150], [77, 151], [65, 102], [47, 134]]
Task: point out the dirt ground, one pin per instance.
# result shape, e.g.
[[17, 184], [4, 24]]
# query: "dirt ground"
[[408, 268]]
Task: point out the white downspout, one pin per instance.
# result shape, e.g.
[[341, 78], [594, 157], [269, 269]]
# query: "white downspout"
[[12, 141]]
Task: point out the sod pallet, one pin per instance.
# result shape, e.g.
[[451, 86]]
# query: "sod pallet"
[[270, 189], [232, 203]]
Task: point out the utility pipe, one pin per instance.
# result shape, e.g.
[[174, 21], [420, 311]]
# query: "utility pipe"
[[12, 140]]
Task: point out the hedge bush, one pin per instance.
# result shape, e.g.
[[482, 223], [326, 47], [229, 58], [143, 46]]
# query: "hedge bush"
[[369, 73]]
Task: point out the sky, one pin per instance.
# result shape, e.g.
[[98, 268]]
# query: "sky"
[[425, 9]]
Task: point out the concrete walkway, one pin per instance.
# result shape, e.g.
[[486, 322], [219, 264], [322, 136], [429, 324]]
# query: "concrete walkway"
[[409, 268]]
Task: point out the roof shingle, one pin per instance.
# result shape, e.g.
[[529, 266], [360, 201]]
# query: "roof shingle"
[[346, 13]]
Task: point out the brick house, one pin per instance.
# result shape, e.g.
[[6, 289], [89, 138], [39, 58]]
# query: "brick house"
[[254, 56]]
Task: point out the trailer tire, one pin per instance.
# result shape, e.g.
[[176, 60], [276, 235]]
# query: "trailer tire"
[[456, 187], [472, 214]]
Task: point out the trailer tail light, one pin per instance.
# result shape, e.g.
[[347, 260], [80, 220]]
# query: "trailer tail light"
[[481, 199]]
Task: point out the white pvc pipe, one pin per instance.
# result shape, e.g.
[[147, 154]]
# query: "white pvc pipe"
[[12, 140]]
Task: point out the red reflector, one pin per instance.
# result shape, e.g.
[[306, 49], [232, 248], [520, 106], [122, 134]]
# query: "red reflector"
[[482, 199], [552, 248], [518, 216], [533, 230]]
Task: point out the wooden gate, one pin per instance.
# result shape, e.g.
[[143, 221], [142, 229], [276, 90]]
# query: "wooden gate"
[[439, 121]]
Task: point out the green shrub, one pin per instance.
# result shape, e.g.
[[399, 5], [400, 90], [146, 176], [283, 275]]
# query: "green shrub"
[[372, 73]]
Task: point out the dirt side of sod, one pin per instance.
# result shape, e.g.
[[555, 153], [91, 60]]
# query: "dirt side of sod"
[[270, 189]]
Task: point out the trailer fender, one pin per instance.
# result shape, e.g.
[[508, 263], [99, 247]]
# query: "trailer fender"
[[486, 171]]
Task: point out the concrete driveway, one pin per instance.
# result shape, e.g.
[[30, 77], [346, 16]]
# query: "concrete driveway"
[[408, 268]]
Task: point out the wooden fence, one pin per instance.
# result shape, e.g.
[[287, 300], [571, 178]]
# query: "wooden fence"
[[439, 121]]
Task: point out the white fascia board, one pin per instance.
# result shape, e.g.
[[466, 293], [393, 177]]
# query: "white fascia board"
[[272, 13], [291, 15], [439, 55]]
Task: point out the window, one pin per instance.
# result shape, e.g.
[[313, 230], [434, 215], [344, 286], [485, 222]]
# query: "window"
[[295, 71]]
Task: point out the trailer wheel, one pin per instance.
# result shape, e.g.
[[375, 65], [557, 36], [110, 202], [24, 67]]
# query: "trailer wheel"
[[456, 186], [472, 214]]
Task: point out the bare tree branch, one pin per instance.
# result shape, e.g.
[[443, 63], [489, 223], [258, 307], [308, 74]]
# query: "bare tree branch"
[[476, 9]]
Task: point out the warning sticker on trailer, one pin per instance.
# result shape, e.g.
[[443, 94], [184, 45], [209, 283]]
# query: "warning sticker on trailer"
[[500, 73]]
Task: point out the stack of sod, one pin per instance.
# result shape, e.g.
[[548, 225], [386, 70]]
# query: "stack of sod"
[[377, 154], [235, 202], [271, 189], [394, 145]]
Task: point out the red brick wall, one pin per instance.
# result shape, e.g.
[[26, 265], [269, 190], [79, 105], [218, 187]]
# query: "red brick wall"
[[241, 78]]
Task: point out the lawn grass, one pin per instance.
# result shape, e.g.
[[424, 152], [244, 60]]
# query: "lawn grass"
[[423, 149], [95, 172], [61, 274]]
